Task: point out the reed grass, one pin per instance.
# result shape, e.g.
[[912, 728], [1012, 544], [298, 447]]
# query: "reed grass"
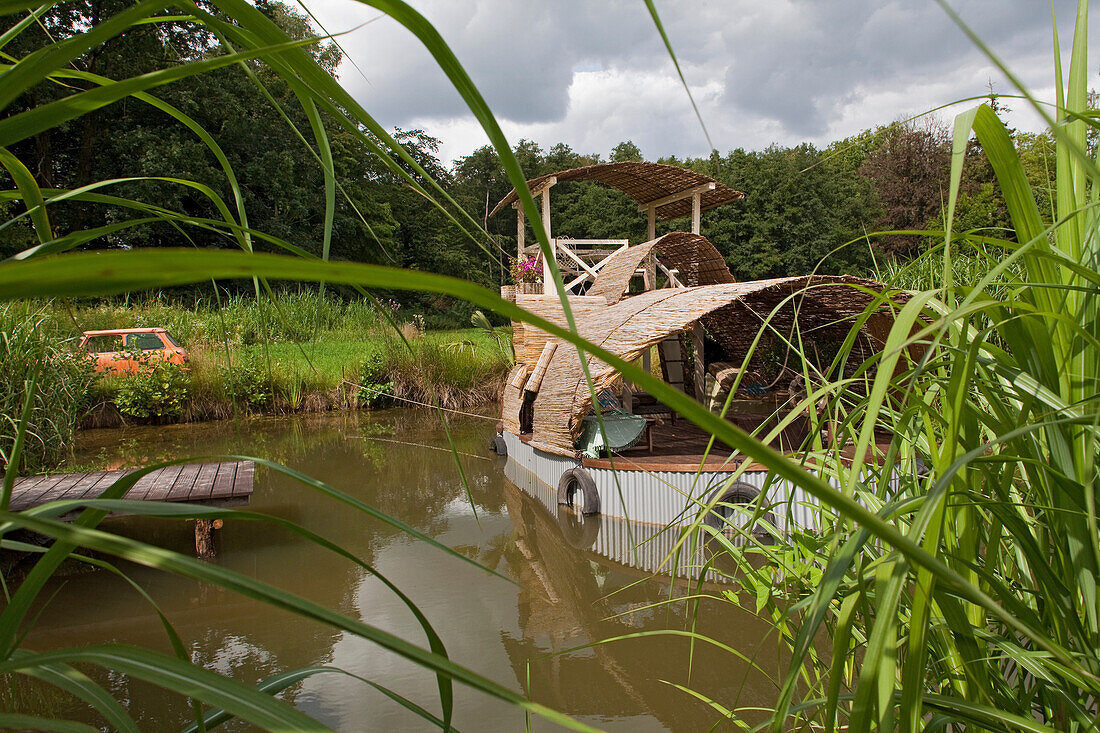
[[953, 586], [31, 350]]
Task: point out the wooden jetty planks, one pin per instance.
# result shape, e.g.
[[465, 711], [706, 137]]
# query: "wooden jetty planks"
[[203, 483], [225, 482], [219, 482], [163, 483], [182, 487]]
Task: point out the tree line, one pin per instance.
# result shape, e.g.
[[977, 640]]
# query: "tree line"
[[805, 208]]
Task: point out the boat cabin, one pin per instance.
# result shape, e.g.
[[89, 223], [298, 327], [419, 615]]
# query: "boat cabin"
[[671, 302]]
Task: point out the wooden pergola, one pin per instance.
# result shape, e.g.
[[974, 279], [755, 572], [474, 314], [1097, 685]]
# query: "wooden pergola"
[[661, 191]]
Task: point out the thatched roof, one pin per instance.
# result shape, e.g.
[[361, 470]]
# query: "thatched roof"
[[697, 260], [643, 182], [731, 312]]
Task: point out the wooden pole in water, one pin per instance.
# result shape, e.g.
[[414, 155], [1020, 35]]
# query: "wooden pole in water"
[[204, 538]]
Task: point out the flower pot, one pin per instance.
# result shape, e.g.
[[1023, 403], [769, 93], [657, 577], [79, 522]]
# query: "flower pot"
[[529, 288]]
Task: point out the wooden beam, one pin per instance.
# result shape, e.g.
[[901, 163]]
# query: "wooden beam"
[[651, 223], [574, 242], [546, 273], [521, 230], [696, 212], [698, 345], [658, 203], [673, 280], [569, 253]]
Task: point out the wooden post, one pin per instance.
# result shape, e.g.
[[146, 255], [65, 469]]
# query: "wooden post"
[[698, 345], [650, 271], [204, 537], [546, 274], [520, 230], [696, 212]]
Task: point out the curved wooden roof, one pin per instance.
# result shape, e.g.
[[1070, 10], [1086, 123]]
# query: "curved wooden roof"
[[732, 313], [643, 182], [693, 255]]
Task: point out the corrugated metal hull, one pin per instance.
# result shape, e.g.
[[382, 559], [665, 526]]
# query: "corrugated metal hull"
[[659, 498]]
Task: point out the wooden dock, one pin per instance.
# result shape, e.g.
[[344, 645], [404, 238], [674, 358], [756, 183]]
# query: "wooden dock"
[[226, 483]]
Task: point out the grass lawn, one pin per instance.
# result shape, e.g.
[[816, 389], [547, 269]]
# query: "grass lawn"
[[322, 364]]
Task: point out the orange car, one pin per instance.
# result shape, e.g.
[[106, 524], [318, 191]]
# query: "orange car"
[[115, 348]]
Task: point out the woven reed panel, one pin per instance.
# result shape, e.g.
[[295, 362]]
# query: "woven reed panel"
[[697, 260], [731, 312], [532, 340], [512, 399], [643, 182]]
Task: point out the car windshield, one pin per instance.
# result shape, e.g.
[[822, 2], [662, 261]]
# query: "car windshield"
[[172, 340], [144, 341], [103, 344]]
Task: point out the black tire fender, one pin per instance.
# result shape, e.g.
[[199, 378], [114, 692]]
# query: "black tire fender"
[[498, 446], [739, 493], [574, 480]]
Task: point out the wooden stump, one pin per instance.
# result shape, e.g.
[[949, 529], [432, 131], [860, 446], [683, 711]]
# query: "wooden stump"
[[204, 537]]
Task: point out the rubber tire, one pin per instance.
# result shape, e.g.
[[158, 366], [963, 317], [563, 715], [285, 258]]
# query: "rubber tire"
[[579, 531], [574, 480], [739, 493], [498, 446]]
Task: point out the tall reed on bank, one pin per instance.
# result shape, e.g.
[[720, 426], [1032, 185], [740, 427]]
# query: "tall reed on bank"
[[968, 597]]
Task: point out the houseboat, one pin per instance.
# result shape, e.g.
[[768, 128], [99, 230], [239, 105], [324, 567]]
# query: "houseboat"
[[669, 302]]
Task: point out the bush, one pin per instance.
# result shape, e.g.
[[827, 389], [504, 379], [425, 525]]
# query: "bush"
[[250, 381], [155, 394]]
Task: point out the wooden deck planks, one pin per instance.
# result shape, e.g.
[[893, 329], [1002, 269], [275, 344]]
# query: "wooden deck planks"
[[184, 482], [216, 482], [200, 490], [223, 484]]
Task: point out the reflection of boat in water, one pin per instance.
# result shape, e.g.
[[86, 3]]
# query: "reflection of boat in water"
[[636, 460], [570, 599], [638, 549]]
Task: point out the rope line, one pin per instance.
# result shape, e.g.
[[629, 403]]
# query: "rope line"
[[428, 404]]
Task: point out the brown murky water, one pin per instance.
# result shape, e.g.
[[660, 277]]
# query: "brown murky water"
[[515, 634]]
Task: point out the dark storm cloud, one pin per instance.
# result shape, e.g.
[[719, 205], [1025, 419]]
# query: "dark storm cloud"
[[595, 73], [802, 58]]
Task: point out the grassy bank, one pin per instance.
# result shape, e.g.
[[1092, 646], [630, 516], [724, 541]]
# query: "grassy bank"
[[291, 353]]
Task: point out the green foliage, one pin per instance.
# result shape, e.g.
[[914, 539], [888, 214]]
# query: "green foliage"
[[31, 345], [158, 392], [248, 380]]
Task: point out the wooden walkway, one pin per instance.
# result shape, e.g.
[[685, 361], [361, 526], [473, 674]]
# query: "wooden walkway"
[[228, 483]]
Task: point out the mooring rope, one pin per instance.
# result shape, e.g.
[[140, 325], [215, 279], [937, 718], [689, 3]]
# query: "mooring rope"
[[428, 404]]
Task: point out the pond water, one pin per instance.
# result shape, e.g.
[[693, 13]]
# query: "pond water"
[[515, 633]]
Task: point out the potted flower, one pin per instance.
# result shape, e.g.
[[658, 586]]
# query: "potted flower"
[[527, 274]]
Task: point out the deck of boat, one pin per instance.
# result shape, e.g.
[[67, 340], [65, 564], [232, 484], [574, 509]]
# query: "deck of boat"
[[681, 446]]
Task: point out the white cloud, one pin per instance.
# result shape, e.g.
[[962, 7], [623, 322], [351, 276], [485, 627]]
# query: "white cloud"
[[592, 74]]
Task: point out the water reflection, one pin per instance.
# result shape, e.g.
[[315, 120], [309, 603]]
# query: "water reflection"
[[566, 593]]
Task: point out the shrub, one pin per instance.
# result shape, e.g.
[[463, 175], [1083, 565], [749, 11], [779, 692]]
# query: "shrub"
[[156, 394], [249, 380]]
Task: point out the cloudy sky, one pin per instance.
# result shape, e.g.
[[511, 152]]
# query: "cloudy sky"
[[592, 73]]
